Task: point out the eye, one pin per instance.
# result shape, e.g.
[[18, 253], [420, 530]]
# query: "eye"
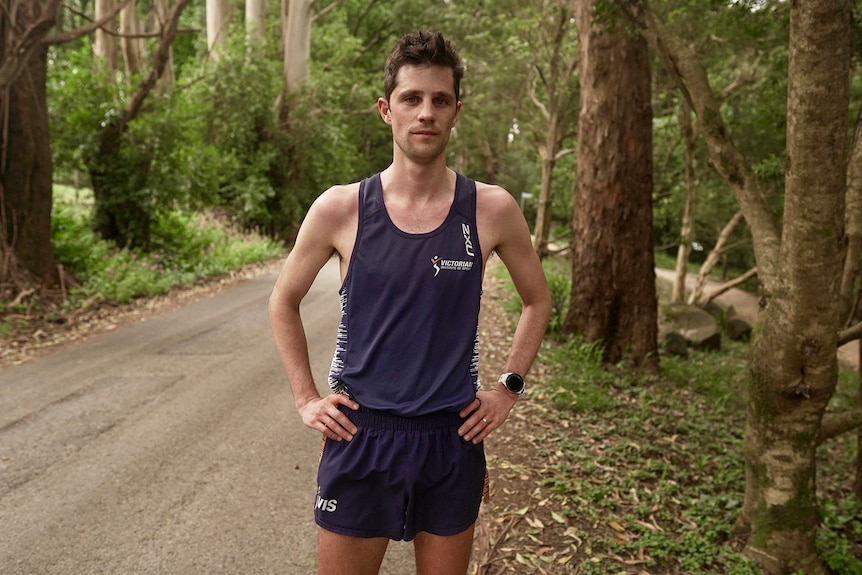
[[442, 101]]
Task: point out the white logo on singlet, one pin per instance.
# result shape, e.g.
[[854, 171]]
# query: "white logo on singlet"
[[468, 245], [455, 265]]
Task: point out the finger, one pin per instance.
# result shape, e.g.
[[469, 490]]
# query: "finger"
[[473, 427], [333, 429], [343, 426], [470, 408]]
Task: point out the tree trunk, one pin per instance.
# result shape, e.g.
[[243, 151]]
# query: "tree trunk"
[[218, 20], [104, 44], [794, 366], [297, 16], [686, 232], [255, 22], [26, 172], [133, 48], [167, 79], [542, 231], [857, 480], [613, 297], [853, 220]]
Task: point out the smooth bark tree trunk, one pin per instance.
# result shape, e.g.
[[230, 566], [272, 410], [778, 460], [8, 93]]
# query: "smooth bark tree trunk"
[[255, 22], [218, 20], [542, 231], [613, 296], [686, 232], [105, 44], [133, 47]]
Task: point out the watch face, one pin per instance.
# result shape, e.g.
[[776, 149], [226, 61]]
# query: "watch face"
[[514, 383]]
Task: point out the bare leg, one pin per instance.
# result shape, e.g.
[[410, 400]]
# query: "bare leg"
[[436, 555], [344, 555]]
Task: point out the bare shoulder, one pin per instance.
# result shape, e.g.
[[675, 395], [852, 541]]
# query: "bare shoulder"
[[336, 203], [499, 219], [494, 201]]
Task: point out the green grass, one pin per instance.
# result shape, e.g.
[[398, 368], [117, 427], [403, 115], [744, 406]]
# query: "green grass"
[[651, 467], [186, 247]]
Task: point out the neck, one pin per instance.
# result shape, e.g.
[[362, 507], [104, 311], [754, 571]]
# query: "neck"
[[418, 181]]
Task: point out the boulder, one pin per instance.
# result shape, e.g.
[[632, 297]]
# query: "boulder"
[[736, 327], [696, 327]]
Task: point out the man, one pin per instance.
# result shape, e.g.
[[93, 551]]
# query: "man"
[[403, 456]]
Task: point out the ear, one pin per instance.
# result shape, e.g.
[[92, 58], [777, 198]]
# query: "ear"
[[457, 113], [383, 108]]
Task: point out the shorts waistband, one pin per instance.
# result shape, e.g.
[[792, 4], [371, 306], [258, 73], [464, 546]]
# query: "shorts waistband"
[[376, 419]]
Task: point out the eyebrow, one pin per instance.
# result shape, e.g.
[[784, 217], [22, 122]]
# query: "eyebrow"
[[437, 94]]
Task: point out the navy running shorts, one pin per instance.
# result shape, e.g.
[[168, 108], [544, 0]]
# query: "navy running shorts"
[[399, 476]]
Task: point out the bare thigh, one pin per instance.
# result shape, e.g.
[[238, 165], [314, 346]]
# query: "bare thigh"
[[344, 555], [437, 555]]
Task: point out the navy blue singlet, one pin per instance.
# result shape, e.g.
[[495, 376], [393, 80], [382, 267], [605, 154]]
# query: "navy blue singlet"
[[408, 340]]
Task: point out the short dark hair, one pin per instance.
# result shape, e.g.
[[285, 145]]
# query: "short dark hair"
[[422, 48]]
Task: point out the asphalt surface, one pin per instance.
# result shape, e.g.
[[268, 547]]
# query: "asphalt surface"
[[169, 446]]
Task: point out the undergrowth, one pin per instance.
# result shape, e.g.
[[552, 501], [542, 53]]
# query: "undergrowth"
[[651, 468], [185, 247]]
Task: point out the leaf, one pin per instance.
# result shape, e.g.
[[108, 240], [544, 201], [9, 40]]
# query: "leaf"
[[558, 518], [615, 526], [535, 523]]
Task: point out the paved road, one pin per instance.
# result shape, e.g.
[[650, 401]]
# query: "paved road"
[[170, 446]]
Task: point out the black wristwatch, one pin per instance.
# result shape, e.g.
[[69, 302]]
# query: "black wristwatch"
[[513, 382]]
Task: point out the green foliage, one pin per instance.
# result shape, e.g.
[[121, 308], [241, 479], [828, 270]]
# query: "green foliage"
[[656, 460], [656, 464], [187, 247], [842, 524], [236, 101], [80, 101]]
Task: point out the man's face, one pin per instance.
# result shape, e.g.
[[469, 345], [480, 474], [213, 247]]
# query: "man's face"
[[422, 111]]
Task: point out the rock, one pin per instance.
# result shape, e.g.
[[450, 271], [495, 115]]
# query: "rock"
[[675, 344], [736, 327], [696, 327]]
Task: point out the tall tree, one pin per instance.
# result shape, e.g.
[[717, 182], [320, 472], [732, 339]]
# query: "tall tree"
[[218, 21], [554, 92], [25, 163], [105, 38], [613, 296], [793, 366], [297, 16], [131, 41]]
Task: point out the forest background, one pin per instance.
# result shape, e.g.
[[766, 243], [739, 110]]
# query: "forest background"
[[166, 120]]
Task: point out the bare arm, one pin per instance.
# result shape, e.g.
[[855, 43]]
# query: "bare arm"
[[320, 236], [504, 230]]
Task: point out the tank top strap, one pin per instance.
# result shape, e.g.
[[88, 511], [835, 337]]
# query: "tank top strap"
[[465, 197], [370, 196]]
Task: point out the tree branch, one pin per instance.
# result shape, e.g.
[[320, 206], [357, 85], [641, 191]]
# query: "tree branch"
[[89, 28], [839, 423], [849, 334], [323, 12], [725, 287]]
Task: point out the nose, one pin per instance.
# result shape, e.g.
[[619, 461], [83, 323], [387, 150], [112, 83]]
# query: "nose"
[[426, 112]]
